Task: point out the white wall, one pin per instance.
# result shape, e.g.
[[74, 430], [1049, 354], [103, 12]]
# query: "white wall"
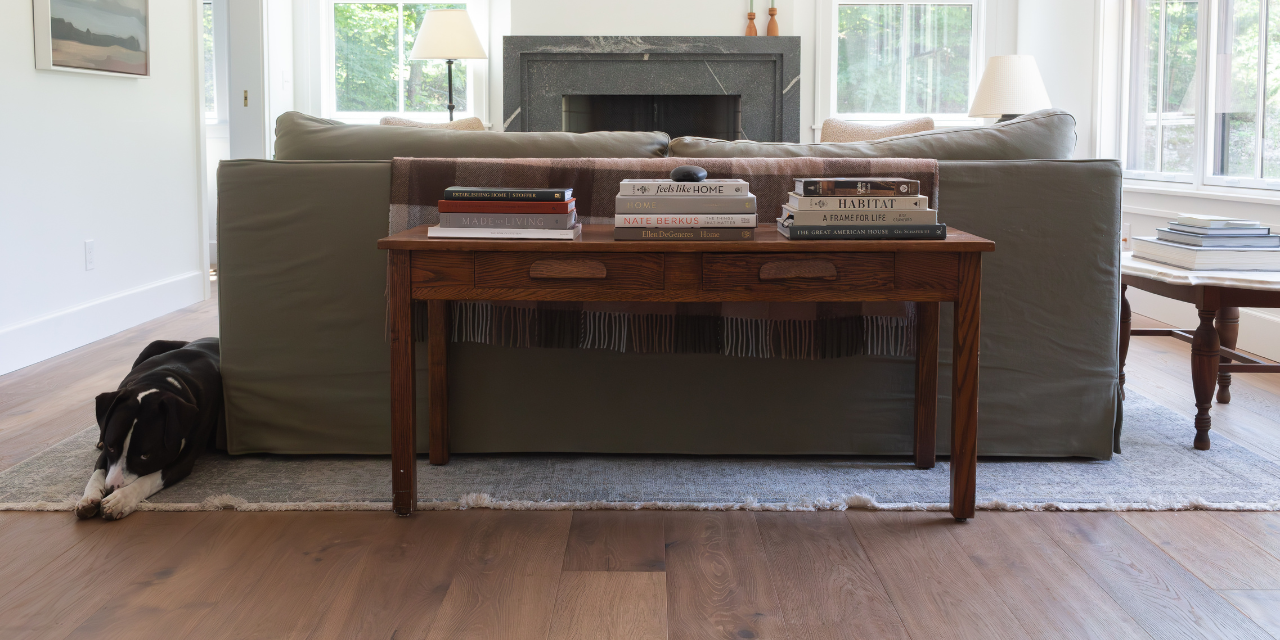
[[111, 159], [1060, 34]]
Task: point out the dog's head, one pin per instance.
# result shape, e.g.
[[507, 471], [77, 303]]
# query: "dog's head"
[[142, 431]]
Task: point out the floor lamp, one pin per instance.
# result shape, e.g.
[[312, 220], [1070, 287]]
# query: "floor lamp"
[[447, 34]]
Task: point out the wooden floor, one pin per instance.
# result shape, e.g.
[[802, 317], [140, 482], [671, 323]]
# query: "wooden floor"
[[645, 574]]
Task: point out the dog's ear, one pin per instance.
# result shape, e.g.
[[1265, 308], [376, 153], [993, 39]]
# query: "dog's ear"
[[104, 402], [179, 416]]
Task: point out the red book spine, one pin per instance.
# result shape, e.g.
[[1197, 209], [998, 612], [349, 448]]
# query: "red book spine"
[[506, 206]]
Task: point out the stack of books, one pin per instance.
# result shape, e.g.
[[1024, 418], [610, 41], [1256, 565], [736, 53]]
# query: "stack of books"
[[1212, 243], [514, 214], [669, 210], [859, 209]]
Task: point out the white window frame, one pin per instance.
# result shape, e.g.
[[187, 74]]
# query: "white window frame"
[[827, 65], [1210, 126], [1201, 178], [477, 70]]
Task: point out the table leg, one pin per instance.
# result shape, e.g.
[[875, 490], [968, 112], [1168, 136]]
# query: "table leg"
[[404, 446], [438, 380], [1227, 323], [964, 387], [1204, 372], [926, 439], [1126, 327]]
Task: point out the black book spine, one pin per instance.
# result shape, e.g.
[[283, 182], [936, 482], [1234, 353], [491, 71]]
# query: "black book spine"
[[873, 187], [527, 195], [843, 232], [712, 234]]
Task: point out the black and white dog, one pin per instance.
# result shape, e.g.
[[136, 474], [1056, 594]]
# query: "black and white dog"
[[154, 426]]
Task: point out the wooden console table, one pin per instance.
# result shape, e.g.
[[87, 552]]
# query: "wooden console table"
[[1218, 296], [770, 268]]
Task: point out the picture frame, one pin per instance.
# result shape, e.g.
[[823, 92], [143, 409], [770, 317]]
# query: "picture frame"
[[104, 37]]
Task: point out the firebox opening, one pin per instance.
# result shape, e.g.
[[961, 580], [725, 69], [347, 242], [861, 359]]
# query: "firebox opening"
[[715, 116]]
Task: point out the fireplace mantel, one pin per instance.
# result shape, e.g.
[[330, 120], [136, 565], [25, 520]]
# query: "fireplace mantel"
[[538, 71]]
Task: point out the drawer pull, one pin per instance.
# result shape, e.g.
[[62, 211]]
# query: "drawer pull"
[[798, 269], [568, 269]]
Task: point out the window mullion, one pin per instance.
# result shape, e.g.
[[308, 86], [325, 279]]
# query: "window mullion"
[[1160, 73], [400, 67], [1259, 127], [904, 49]]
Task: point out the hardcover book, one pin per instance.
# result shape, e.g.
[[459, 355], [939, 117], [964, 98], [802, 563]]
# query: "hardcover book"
[[1215, 222], [1219, 240], [494, 193], [685, 204], [857, 187], [822, 203], [1206, 258], [633, 233], [1234, 231], [859, 217], [506, 234], [506, 206], [677, 221], [831, 232], [452, 220], [728, 187]]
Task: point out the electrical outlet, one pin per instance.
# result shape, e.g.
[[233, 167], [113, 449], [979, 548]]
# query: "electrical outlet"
[[88, 255], [1125, 230]]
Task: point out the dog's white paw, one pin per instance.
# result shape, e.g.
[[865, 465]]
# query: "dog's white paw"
[[87, 508], [119, 504]]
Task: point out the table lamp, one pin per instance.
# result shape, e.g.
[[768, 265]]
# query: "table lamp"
[[1010, 87], [447, 34]]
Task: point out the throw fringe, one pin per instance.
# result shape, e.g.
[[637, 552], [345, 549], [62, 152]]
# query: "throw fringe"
[[512, 326]]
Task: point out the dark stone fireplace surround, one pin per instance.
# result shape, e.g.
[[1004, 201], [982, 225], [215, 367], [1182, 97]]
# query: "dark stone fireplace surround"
[[538, 71]]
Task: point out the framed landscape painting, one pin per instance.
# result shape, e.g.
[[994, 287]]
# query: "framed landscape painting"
[[93, 36]]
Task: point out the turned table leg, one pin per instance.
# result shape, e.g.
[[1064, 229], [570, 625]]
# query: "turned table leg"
[[1126, 327], [1227, 323], [964, 387], [926, 441], [1204, 372], [404, 446]]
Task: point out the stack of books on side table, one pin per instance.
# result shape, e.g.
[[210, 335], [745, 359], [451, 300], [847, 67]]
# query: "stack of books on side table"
[[670, 210], [859, 209], [1212, 243], [512, 214]]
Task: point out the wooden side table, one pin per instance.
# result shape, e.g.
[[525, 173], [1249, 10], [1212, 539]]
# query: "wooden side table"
[[1218, 296], [769, 268]]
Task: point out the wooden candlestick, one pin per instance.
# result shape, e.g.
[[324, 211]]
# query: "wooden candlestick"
[[772, 30], [751, 23]]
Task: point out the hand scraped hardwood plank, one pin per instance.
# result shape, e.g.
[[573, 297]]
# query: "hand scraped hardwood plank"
[[618, 605], [1044, 589], [1262, 529], [1208, 548], [33, 540], [54, 601], [824, 581], [504, 587], [718, 583], [615, 541], [936, 589], [1263, 607], [1155, 590]]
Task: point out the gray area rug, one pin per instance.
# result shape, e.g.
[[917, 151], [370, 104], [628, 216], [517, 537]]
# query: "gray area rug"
[[1158, 471]]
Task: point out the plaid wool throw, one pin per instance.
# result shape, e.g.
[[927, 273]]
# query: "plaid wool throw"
[[808, 330]]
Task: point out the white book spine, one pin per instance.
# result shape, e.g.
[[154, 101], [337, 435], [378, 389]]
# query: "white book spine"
[[511, 234], [691, 221], [669, 188], [859, 217], [722, 205], [851, 203]]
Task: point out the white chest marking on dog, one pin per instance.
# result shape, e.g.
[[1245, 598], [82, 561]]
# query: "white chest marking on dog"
[[140, 395], [175, 382], [118, 475]]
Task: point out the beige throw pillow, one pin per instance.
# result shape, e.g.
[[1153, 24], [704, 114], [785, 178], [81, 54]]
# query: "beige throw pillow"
[[465, 124], [834, 130]]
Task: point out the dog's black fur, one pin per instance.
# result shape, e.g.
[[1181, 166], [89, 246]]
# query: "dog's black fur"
[[169, 408]]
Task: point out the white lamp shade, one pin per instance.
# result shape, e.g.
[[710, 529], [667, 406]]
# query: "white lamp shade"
[[1011, 85], [447, 34]]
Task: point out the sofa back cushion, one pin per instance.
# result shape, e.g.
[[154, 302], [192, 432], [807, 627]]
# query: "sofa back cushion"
[[1043, 135], [303, 137]]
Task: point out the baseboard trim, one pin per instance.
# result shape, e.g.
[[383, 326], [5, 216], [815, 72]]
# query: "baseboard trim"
[[1259, 329], [31, 341]]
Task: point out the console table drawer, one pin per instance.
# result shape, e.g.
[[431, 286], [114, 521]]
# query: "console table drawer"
[[536, 270], [783, 271]]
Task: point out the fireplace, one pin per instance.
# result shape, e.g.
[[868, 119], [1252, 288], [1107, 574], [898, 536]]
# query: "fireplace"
[[704, 116], [730, 87]]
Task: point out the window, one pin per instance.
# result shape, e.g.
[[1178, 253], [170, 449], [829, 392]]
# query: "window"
[[210, 68], [1190, 58], [372, 75], [895, 61]]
